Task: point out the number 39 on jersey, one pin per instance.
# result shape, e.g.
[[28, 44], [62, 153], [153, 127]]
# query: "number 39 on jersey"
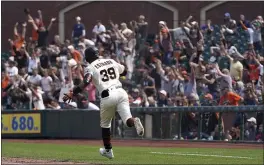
[[108, 74]]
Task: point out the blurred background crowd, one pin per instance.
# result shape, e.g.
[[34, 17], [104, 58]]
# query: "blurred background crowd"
[[192, 65]]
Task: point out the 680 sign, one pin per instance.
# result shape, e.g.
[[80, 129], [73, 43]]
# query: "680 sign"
[[21, 123]]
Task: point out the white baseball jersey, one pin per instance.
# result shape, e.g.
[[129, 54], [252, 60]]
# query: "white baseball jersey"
[[105, 73]]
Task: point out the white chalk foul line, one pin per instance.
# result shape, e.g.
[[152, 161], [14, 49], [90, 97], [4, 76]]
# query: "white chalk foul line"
[[189, 154]]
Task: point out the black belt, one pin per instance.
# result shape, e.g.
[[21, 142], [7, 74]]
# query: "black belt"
[[105, 93]]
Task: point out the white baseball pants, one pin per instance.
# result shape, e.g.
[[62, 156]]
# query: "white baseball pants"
[[116, 101]]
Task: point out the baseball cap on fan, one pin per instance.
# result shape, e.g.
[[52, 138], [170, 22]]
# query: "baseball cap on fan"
[[227, 15], [70, 47], [78, 18], [141, 17], [135, 90], [162, 23], [163, 92], [194, 22], [253, 120]]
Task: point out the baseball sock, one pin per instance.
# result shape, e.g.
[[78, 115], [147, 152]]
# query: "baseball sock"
[[106, 134], [130, 122]]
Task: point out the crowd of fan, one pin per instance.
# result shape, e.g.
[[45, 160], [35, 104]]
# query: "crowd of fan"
[[191, 65]]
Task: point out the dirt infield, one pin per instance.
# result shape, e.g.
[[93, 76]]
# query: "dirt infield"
[[139, 143], [31, 161]]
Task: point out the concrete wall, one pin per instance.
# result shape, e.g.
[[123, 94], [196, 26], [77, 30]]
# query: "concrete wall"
[[12, 12]]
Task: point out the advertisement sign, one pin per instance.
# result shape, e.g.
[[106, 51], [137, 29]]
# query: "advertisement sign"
[[23, 123]]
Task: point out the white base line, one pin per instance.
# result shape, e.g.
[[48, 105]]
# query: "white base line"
[[188, 154]]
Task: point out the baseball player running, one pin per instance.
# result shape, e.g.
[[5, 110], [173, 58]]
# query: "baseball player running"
[[105, 73]]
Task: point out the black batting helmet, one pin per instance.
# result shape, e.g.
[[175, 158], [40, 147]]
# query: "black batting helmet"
[[91, 54]]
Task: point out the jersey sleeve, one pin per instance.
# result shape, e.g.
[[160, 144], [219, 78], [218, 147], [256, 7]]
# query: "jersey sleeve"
[[120, 67], [88, 70]]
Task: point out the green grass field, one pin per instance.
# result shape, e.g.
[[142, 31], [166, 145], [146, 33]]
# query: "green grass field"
[[132, 155]]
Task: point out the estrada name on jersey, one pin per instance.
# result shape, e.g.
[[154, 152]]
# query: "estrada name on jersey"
[[105, 73]]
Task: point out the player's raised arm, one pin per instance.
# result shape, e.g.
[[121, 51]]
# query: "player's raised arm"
[[86, 81], [79, 88], [91, 54]]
